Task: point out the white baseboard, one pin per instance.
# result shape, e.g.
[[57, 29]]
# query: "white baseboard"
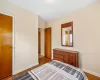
[[20, 70], [91, 72]]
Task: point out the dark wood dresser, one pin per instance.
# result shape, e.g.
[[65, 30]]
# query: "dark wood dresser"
[[66, 56]]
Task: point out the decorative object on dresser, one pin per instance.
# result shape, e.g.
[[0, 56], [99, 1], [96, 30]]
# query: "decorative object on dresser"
[[66, 56]]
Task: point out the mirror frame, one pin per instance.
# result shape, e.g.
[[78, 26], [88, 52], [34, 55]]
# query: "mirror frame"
[[67, 25]]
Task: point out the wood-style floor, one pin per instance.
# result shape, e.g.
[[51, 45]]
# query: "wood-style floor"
[[44, 60]]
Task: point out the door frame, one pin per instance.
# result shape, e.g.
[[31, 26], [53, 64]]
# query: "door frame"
[[13, 47], [39, 42]]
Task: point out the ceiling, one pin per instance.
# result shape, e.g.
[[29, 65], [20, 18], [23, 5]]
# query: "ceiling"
[[52, 9]]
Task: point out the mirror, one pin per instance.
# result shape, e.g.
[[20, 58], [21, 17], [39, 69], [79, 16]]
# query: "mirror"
[[67, 34]]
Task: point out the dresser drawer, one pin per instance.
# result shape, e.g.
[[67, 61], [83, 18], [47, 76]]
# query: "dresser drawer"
[[58, 56], [58, 52], [55, 58]]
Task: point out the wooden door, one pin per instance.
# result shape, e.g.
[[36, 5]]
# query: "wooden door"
[[39, 43], [5, 46], [48, 43]]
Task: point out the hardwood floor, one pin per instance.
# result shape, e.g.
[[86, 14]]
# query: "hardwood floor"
[[92, 77], [42, 61]]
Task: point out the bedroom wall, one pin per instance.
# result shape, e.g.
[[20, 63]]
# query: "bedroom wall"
[[25, 36], [42, 25], [86, 23]]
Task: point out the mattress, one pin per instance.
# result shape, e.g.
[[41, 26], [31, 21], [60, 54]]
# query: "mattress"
[[54, 70]]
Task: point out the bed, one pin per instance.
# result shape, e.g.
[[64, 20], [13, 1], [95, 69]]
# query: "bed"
[[64, 67], [54, 70]]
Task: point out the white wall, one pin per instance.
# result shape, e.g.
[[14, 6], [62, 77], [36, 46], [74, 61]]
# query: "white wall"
[[86, 26], [42, 25], [25, 36]]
